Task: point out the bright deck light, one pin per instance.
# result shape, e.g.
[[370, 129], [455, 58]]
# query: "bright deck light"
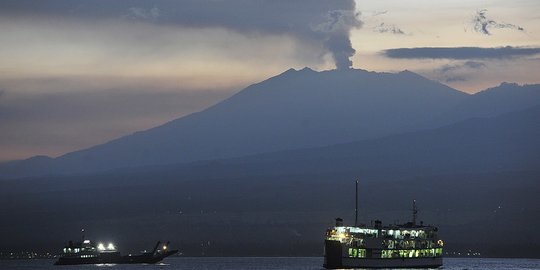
[[110, 246], [100, 247]]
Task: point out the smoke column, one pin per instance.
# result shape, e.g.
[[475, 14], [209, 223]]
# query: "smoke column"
[[336, 29], [340, 47]]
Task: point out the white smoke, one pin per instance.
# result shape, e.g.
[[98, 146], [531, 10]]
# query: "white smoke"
[[337, 28]]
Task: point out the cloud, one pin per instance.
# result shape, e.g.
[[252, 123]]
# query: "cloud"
[[196, 57], [456, 79], [474, 64], [388, 28], [483, 25], [324, 22], [379, 26], [377, 13], [468, 64], [461, 53], [458, 72], [142, 13]]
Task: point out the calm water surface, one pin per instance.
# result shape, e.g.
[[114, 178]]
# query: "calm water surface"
[[266, 263]]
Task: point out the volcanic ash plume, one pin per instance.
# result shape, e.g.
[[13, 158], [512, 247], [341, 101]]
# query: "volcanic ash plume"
[[337, 29], [482, 24]]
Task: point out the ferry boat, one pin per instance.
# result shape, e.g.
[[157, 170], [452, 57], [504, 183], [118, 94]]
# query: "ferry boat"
[[408, 245], [86, 252]]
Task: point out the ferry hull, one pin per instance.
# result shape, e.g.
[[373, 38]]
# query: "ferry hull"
[[391, 263], [336, 258], [116, 259]]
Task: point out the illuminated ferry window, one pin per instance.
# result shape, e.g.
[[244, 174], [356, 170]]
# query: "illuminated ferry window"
[[357, 253], [390, 254], [361, 253]]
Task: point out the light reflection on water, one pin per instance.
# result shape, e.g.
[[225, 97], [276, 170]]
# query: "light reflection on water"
[[265, 263]]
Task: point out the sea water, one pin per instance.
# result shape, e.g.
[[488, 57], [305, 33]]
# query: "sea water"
[[265, 263]]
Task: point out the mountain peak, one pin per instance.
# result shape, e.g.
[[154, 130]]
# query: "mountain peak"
[[306, 69], [292, 70], [409, 73], [406, 71], [508, 88]]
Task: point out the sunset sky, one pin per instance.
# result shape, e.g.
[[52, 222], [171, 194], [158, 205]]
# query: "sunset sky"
[[78, 73]]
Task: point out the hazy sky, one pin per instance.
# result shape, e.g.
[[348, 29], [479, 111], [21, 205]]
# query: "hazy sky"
[[76, 73]]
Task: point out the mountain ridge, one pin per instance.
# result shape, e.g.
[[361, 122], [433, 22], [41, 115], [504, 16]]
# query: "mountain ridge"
[[513, 135], [295, 109]]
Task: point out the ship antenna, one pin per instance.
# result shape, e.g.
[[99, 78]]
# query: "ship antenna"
[[414, 212], [82, 232], [356, 206]]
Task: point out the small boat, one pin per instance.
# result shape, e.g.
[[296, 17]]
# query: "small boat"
[[408, 245], [86, 252]]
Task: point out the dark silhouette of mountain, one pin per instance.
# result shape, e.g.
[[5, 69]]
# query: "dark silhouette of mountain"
[[502, 143], [37, 165], [295, 109], [504, 98]]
